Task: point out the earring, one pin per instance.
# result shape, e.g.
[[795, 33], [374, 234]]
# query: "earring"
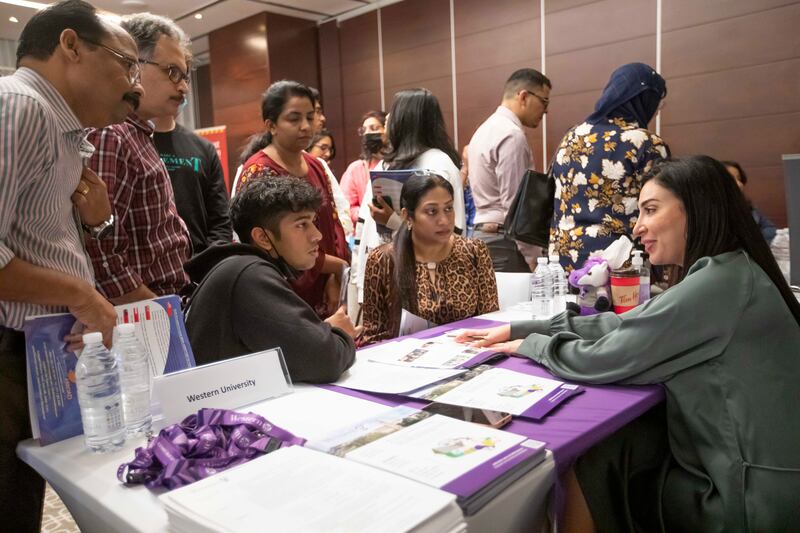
[[409, 227]]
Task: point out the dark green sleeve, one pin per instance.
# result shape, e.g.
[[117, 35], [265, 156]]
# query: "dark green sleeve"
[[687, 325], [588, 327]]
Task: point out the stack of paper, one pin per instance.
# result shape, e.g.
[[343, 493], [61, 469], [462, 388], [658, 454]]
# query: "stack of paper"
[[474, 462], [297, 489]]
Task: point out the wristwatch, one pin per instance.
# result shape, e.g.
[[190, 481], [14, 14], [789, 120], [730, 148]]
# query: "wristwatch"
[[101, 230]]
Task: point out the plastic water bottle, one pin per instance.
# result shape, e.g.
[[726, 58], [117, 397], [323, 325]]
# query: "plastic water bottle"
[[542, 289], [97, 380], [644, 275], [780, 249], [134, 373], [560, 288]]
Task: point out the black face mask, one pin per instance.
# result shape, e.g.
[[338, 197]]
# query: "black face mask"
[[372, 142]]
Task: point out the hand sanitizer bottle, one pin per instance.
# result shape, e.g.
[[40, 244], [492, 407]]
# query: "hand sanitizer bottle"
[[644, 275]]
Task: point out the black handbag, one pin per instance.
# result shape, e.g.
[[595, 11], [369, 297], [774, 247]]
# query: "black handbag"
[[529, 217]]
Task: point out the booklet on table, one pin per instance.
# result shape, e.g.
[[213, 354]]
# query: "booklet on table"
[[298, 489], [473, 462], [52, 394]]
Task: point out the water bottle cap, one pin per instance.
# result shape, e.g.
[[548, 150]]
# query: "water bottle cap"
[[555, 259], [541, 260], [92, 338], [126, 329]]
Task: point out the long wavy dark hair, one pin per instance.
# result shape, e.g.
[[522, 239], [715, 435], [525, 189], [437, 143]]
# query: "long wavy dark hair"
[[718, 217], [272, 103], [405, 263], [416, 125]]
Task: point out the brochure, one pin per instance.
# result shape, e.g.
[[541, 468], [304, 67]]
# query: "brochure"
[[52, 395], [473, 462], [275, 493], [437, 352], [504, 390], [389, 183]]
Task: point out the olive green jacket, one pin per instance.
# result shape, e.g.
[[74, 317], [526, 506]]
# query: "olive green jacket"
[[727, 349]]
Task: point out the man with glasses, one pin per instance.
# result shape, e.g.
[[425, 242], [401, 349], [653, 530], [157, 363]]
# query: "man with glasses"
[[144, 256], [498, 157], [75, 70]]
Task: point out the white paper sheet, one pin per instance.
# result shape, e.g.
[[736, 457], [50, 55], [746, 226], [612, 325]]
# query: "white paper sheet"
[[277, 492], [500, 389], [312, 412], [370, 376]]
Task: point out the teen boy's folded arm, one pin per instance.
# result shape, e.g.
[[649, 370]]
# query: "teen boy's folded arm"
[[269, 314]]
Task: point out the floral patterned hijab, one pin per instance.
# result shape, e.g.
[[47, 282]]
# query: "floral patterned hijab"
[[633, 94]]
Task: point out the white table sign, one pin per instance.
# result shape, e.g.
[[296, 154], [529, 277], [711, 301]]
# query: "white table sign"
[[228, 384]]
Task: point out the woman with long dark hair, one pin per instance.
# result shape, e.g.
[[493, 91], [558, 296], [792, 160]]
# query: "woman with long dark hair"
[[287, 109], [427, 270], [725, 343], [417, 140]]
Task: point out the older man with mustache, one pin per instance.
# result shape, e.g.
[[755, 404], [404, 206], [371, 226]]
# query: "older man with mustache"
[[144, 256], [75, 70]]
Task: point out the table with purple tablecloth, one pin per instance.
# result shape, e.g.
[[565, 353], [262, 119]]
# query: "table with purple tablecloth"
[[574, 426]]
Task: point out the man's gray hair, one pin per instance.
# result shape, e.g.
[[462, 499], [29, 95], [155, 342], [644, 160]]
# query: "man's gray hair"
[[147, 29]]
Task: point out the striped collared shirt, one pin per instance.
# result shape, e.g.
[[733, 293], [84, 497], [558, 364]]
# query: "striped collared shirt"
[[41, 142], [150, 242]]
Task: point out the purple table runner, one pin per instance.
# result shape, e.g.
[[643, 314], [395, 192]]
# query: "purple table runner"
[[572, 427]]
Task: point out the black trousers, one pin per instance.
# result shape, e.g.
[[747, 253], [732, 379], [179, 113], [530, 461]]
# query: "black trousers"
[[21, 488], [622, 477], [506, 257]]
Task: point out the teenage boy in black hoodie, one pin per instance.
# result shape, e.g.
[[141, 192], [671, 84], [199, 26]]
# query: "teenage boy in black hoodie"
[[244, 303]]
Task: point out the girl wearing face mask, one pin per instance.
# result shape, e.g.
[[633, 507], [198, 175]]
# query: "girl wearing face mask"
[[723, 342], [426, 270], [288, 112], [355, 178]]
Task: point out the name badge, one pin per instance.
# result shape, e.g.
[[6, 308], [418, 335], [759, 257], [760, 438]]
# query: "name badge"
[[228, 384]]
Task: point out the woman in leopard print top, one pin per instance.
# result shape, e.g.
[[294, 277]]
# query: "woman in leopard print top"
[[426, 270]]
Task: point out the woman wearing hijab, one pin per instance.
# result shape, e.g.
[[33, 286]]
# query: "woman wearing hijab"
[[600, 162]]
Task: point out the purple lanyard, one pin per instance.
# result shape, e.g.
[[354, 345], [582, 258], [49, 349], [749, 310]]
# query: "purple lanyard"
[[202, 445]]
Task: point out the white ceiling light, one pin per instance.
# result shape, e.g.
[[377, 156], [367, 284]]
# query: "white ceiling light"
[[25, 3], [198, 16], [13, 19]]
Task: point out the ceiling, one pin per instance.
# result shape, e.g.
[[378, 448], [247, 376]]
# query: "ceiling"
[[216, 13]]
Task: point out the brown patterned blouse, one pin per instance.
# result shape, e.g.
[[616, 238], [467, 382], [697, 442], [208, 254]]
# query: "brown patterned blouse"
[[465, 287]]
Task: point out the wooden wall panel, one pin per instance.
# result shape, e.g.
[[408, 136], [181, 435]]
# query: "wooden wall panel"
[[416, 51], [330, 80], [293, 50], [239, 74], [733, 76], [202, 92], [581, 54], [358, 45], [491, 43]]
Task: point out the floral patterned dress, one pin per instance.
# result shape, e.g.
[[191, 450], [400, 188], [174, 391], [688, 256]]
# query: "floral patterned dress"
[[598, 171]]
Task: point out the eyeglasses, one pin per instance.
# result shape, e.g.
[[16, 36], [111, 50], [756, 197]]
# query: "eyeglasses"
[[545, 101], [174, 74], [132, 64]]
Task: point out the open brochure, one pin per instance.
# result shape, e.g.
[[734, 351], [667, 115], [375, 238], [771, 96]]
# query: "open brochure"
[[389, 183], [278, 491], [52, 394], [473, 462], [437, 352], [503, 390]]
